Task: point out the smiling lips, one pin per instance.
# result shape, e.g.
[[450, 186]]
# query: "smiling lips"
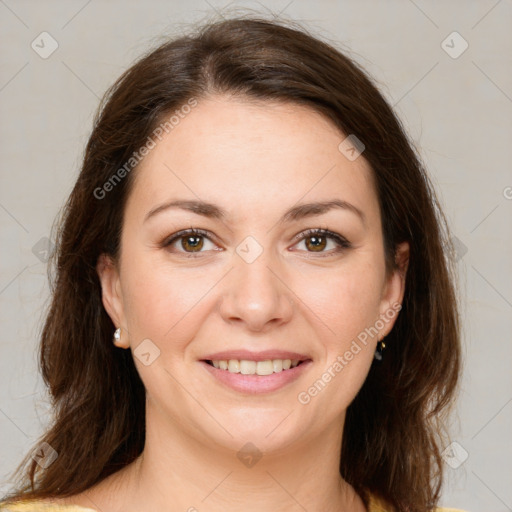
[[256, 372], [244, 376], [248, 367]]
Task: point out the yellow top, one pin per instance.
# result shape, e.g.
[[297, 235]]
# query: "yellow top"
[[38, 506], [375, 505]]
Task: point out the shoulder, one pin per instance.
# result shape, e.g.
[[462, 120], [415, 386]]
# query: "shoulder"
[[377, 505], [41, 506]]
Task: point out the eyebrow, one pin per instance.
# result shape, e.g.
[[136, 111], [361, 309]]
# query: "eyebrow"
[[293, 214]]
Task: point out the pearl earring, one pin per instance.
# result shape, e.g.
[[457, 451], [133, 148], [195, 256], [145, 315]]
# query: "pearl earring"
[[117, 335]]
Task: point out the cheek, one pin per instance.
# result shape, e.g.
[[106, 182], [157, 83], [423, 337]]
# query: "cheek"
[[348, 301], [164, 303], [346, 308]]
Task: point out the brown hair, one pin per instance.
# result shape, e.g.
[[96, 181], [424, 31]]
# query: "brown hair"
[[394, 429]]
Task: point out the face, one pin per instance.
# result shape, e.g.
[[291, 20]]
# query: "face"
[[271, 251]]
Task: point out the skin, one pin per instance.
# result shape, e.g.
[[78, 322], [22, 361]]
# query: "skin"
[[255, 160]]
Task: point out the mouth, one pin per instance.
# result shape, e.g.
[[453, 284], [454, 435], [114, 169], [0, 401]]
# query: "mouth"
[[250, 372], [251, 367]]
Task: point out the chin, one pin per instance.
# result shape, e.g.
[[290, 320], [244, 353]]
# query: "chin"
[[269, 429]]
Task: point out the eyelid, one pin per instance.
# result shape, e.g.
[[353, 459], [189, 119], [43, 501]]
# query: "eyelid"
[[340, 240], [321, 231], [184, 232]]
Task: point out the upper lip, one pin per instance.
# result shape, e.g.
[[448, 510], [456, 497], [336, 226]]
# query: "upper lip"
[[264, 355]]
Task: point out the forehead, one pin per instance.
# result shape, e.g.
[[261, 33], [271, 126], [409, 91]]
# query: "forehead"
[[240, 153]]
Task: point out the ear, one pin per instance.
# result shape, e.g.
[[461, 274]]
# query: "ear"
[[394, 289], [111, 295]]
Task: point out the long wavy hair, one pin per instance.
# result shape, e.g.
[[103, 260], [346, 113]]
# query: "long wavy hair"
[[395, 428]]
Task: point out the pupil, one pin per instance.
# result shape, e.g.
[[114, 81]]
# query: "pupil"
[[194, 242], [318, 242]]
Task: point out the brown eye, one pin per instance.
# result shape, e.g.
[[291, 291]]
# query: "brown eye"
[[316, 243], [192, 243], [318, 240]]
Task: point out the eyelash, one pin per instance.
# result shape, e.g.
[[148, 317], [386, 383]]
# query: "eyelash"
[[341, 241]]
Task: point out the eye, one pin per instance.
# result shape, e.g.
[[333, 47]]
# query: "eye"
[[190, 241], [195, 241], [317, 240]]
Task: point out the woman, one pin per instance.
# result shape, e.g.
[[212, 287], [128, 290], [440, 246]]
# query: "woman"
[[253, 305]]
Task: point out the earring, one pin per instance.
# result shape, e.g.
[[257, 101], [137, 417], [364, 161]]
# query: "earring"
[[380, 348], [117, 335]]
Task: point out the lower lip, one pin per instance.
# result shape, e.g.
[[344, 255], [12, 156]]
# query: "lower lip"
[[257, 383]]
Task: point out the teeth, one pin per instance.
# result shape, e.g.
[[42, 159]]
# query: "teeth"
[[264, 367], [233, 366], [278, 365], [247, 367]]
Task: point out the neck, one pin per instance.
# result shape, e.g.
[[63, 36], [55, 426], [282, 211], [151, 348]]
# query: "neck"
[[180, 471]]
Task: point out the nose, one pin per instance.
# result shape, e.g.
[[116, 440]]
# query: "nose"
[[256, 295]]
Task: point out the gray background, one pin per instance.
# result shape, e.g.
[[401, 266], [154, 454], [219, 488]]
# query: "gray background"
[[457, 108]]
